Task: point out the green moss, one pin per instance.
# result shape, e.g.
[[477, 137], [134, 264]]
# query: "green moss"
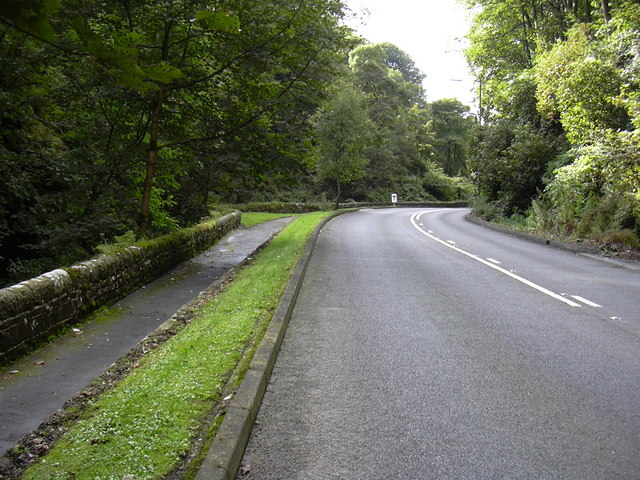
[[106, 314], [212, 431]]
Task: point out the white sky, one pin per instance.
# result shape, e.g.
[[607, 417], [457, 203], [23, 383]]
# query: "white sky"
[[431, 32]]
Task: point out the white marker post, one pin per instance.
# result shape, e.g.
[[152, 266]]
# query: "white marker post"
[[394, 198]]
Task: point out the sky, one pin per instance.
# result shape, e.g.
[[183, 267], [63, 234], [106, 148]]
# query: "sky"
[[431, 32]]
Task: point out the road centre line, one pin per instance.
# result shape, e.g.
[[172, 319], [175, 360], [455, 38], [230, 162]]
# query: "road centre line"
[[493, 260], [416, 216]]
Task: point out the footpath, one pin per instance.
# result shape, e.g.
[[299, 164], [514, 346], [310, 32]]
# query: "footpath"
[[37, 385]]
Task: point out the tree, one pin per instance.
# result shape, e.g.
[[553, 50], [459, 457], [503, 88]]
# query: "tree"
[[581, 87], [395, 101], [389, 79], [451, 123], [508, 162], [577, 63], [342, 131], [181, 57]]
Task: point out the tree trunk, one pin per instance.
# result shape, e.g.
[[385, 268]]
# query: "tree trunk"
[[526, 21], [152, 155], [338, 188], [154, 127], [606, 13], [205, 201], [534, 13]]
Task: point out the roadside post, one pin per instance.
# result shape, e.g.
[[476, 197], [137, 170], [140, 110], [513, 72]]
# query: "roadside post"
[[394, 198]]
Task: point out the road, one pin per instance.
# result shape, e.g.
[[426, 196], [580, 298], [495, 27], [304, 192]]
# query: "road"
[[425, 346]]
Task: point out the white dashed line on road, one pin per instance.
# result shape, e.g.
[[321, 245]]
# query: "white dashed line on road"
[[416, 216]]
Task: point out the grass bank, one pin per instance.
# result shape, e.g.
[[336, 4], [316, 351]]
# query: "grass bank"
[[145, 426], [250, 219]]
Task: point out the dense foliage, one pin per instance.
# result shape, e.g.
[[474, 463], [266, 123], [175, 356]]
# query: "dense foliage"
[[559, 82], [393, 133], [134, 115]]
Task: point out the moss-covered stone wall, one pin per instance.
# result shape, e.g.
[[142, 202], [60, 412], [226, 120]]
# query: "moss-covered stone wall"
[[35, 309]]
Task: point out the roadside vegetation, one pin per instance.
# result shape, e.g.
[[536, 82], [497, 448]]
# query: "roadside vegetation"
[[557, 148], [250, 219], [145, 426]]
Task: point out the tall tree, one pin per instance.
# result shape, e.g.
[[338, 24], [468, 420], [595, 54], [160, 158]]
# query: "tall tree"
[[396, 104], [583, 84], [451, 123], [342, 131]]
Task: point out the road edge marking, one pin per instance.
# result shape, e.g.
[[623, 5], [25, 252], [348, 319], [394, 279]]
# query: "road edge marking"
[[571, 303]]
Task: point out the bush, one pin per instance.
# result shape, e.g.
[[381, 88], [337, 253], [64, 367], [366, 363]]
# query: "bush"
[[595, 193], [284, 207], [445, 188], [508, 162], [485, 209], [624, 237], [119, 242]]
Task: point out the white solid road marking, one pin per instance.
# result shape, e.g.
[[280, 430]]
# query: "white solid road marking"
[[493, 260], [585, 301], [451, 242], [416, 216]]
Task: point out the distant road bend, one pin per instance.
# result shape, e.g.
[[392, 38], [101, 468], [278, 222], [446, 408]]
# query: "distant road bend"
[[425, 346]]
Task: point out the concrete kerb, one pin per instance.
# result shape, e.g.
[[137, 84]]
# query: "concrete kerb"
[[227, 449]]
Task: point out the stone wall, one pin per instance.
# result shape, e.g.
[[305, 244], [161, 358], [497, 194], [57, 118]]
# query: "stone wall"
[[290, 207], [35, 309]]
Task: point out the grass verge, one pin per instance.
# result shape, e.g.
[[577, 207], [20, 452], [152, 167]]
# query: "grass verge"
[[250, 219], [144, 427]]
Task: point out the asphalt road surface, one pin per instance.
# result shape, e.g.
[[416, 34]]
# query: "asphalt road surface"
[[423, 346]]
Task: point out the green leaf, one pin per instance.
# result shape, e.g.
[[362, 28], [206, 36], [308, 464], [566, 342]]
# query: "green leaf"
[[136, 83], [31, 16], [125, 44], [163, 72], [219, 21]]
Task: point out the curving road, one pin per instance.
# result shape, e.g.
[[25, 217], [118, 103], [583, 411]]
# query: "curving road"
[[424, 346]]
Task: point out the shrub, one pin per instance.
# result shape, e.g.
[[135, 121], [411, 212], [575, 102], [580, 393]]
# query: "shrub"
[[624, 237], [119, 242], [485, 209], [508, 162]]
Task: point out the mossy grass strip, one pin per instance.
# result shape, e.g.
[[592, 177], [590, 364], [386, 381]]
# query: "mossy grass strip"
[[145, 426], [250, 219]]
